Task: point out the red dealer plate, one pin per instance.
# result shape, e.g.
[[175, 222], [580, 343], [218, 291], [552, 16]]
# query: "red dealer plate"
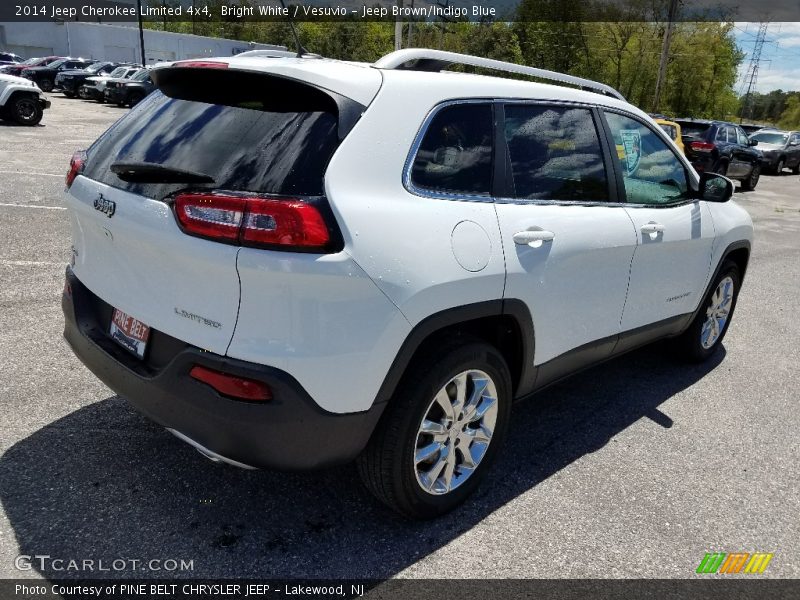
[[129, 333]]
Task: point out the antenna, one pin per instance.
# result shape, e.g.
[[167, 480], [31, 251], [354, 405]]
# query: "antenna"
[[300, 50]]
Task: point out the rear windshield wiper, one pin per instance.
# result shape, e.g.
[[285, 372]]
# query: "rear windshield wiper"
[[144, 172]]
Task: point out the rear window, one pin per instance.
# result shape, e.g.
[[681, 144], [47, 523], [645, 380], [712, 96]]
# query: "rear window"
[[693, 129], [276, 137]]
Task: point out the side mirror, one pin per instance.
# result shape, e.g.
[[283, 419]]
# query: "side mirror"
[[752, 142], [715, 188]]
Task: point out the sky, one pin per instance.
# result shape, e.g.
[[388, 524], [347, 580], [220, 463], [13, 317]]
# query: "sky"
[[780, 58]]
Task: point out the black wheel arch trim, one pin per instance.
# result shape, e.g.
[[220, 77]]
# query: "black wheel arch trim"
[[437, 322], [734, 246]]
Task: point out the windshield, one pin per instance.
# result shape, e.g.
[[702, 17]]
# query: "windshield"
[[669, 130], [94, 68], [30, 61], [774, 137], [118, 72], [141, 75], [58, 63]]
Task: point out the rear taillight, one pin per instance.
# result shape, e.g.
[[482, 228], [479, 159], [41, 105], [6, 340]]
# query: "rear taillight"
[[76, 165], [253, 221], [231, 385], [702, 146]]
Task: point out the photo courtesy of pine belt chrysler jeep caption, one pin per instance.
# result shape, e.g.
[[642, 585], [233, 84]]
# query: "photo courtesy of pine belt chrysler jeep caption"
[[293, 262]]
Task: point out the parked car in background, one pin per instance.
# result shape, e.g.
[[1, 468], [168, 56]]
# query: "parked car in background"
[[750, 128], [94, 87], [17, 68], [673, 130], [45, 77], [21, 100], [70, 81], [721, 147], [781, 149], [129, 92], [6, 58]]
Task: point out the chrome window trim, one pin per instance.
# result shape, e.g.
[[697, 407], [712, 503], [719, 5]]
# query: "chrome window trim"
[[412, 156], [461, 197]]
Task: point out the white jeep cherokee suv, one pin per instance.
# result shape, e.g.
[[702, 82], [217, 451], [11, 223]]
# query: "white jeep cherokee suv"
[[294, 262]]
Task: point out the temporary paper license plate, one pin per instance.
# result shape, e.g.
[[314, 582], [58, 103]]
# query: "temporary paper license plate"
[[129, 333]]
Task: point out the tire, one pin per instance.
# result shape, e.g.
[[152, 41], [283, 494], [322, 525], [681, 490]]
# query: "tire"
[[392, 466], [796, 169], [26, 110], [779, 166], [698, 343], [68, 94], [135, 99], [751, 182], [46, 85]]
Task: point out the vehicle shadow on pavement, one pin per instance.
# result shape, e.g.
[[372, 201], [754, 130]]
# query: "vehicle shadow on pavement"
[[103, 483]]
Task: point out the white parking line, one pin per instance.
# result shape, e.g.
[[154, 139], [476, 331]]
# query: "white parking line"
[[29, 173], [33, 206]]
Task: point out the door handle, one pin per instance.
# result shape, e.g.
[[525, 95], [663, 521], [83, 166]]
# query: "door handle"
[[533, 237], [652, 228]]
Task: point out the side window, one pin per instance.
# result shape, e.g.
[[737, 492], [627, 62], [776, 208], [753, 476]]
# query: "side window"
[[795, 139], [722, 134], [455, 155], [555, 153], [742, 137], [650, 170]]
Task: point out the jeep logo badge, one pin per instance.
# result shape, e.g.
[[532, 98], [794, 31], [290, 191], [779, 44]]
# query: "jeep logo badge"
[[105, 206]]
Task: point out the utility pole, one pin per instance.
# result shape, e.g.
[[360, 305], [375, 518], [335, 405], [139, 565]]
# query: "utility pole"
[[398, 30], [141, 30], [752, 71], [410, 27], [662, 65]]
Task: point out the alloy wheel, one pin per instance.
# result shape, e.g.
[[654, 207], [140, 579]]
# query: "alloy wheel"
[[455, 432], [717, 313]]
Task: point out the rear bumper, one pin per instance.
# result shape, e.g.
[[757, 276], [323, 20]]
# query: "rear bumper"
[[289, 432], [114, 95]]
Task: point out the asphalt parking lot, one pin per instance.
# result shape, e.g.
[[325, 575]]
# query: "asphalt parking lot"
[[634, 469]]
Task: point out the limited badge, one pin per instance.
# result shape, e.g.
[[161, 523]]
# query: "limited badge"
[[632, 146]]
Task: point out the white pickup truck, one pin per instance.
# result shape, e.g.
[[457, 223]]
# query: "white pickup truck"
[[21, 100]]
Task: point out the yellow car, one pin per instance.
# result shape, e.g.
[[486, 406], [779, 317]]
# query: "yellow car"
[[673, 130]]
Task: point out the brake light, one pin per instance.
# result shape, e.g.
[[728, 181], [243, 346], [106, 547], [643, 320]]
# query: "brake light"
[[231, 385], [253, 221], [702, 146], [76, 166], [200, 64]]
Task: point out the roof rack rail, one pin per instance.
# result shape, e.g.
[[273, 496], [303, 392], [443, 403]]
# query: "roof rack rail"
[[422, 59], [275, 53]]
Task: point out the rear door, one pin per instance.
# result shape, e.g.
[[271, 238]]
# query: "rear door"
[[568, 246]]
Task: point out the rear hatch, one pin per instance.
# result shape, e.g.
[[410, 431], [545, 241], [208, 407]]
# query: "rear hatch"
[[692, 131], [209, 131]]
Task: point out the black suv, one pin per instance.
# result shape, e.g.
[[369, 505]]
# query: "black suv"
[[129, 92], [71, 80], [721, 147], [45, 77]]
